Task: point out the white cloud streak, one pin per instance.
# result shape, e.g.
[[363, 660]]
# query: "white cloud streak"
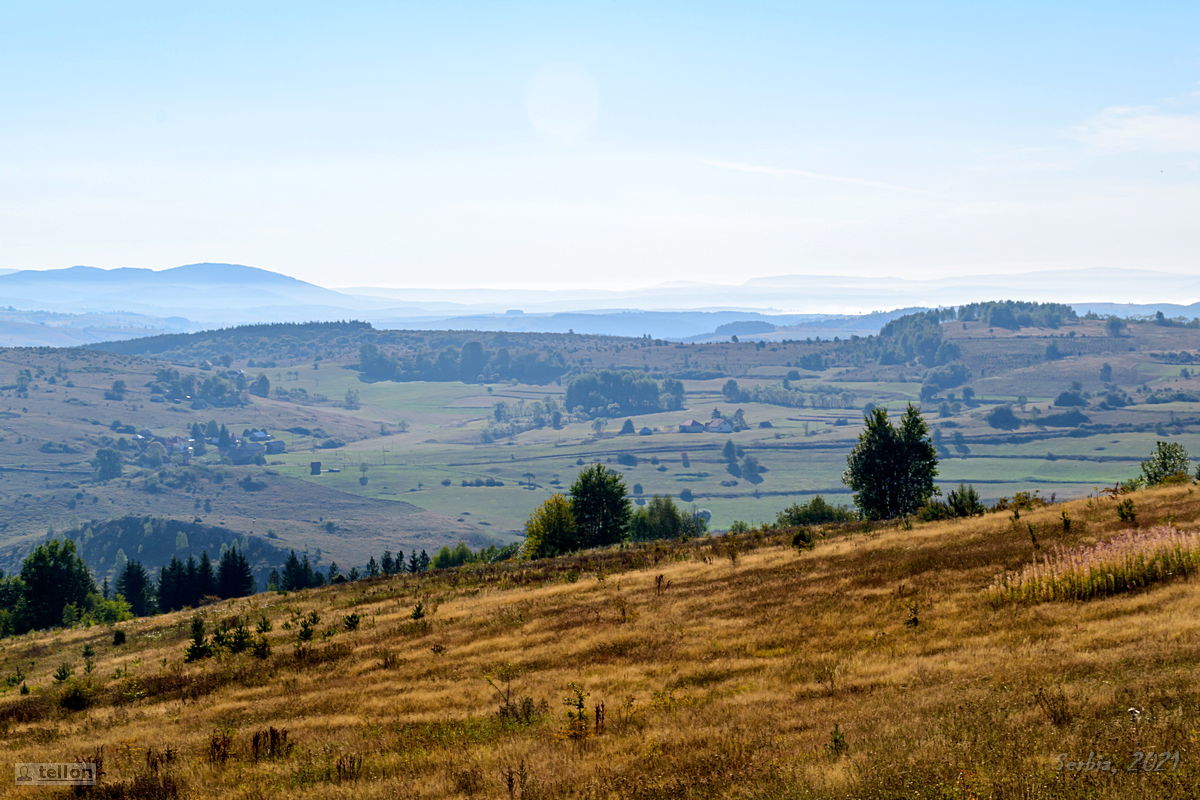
[[816, 176], [1125, 129]]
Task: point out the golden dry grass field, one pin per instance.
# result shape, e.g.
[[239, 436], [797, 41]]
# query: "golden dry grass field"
[[724, 677]]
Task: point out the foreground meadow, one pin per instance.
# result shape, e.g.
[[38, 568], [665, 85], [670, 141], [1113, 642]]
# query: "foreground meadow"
[[875, 665]]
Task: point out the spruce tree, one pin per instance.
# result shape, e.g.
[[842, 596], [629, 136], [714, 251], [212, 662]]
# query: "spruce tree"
[[206, 581], [134, 584], [53, 577], [234, 577], [188, 586], [293, 574]]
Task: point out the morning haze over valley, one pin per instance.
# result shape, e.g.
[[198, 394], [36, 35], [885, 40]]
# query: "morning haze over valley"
[[607, 401]]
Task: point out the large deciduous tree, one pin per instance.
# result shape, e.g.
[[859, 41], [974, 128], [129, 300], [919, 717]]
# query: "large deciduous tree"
[[107, 464], [892, 468], [550, 529], [600, 505], [1168, 463]]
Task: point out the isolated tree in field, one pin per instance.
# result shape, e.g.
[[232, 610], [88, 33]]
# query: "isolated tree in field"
[[107, 464], [53, 577], [1167, 464], [135, 586], [261, 386], [550, 529], [892, 469], [1114, 326], [600, 505], [1004, 418]]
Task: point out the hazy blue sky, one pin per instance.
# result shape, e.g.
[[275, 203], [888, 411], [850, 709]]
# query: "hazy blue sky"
[[603, 144]]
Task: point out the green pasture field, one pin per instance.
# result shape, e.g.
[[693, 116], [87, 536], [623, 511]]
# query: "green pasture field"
[[444, 443]]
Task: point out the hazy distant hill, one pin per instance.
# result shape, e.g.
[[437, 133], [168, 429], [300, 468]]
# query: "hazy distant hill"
[[194, 290], [1140, 309], [52, 329], [209, 295], [682, 325]]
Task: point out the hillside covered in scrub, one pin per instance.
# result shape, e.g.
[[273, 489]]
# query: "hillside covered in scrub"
[[882, 661]]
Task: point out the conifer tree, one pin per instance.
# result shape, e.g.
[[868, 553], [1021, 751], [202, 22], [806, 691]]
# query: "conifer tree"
[[134, 585], [234, 577]]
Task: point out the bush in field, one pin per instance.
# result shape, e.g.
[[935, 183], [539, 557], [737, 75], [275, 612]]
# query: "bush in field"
[[961, 502], [662, 519], [1002, 417], [816, 511]]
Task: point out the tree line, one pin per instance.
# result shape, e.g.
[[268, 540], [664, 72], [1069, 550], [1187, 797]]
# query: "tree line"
[[472, 363], [598, 512], [611, 393], [54, 587]]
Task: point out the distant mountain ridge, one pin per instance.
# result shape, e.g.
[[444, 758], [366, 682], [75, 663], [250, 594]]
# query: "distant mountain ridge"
[[183, 289], [83, 304]]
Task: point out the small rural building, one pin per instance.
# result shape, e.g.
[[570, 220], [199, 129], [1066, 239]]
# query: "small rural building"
[[720, 426], [275, 447], [692, 426]]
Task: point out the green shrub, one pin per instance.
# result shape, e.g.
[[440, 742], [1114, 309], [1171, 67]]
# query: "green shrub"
[[76, 696], [803, 539], [816, 511]]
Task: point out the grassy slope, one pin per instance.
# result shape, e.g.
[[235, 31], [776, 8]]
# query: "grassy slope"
[[727, 684]]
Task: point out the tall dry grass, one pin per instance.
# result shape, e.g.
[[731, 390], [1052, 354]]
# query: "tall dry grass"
[[872, 666], [1127, 562]]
